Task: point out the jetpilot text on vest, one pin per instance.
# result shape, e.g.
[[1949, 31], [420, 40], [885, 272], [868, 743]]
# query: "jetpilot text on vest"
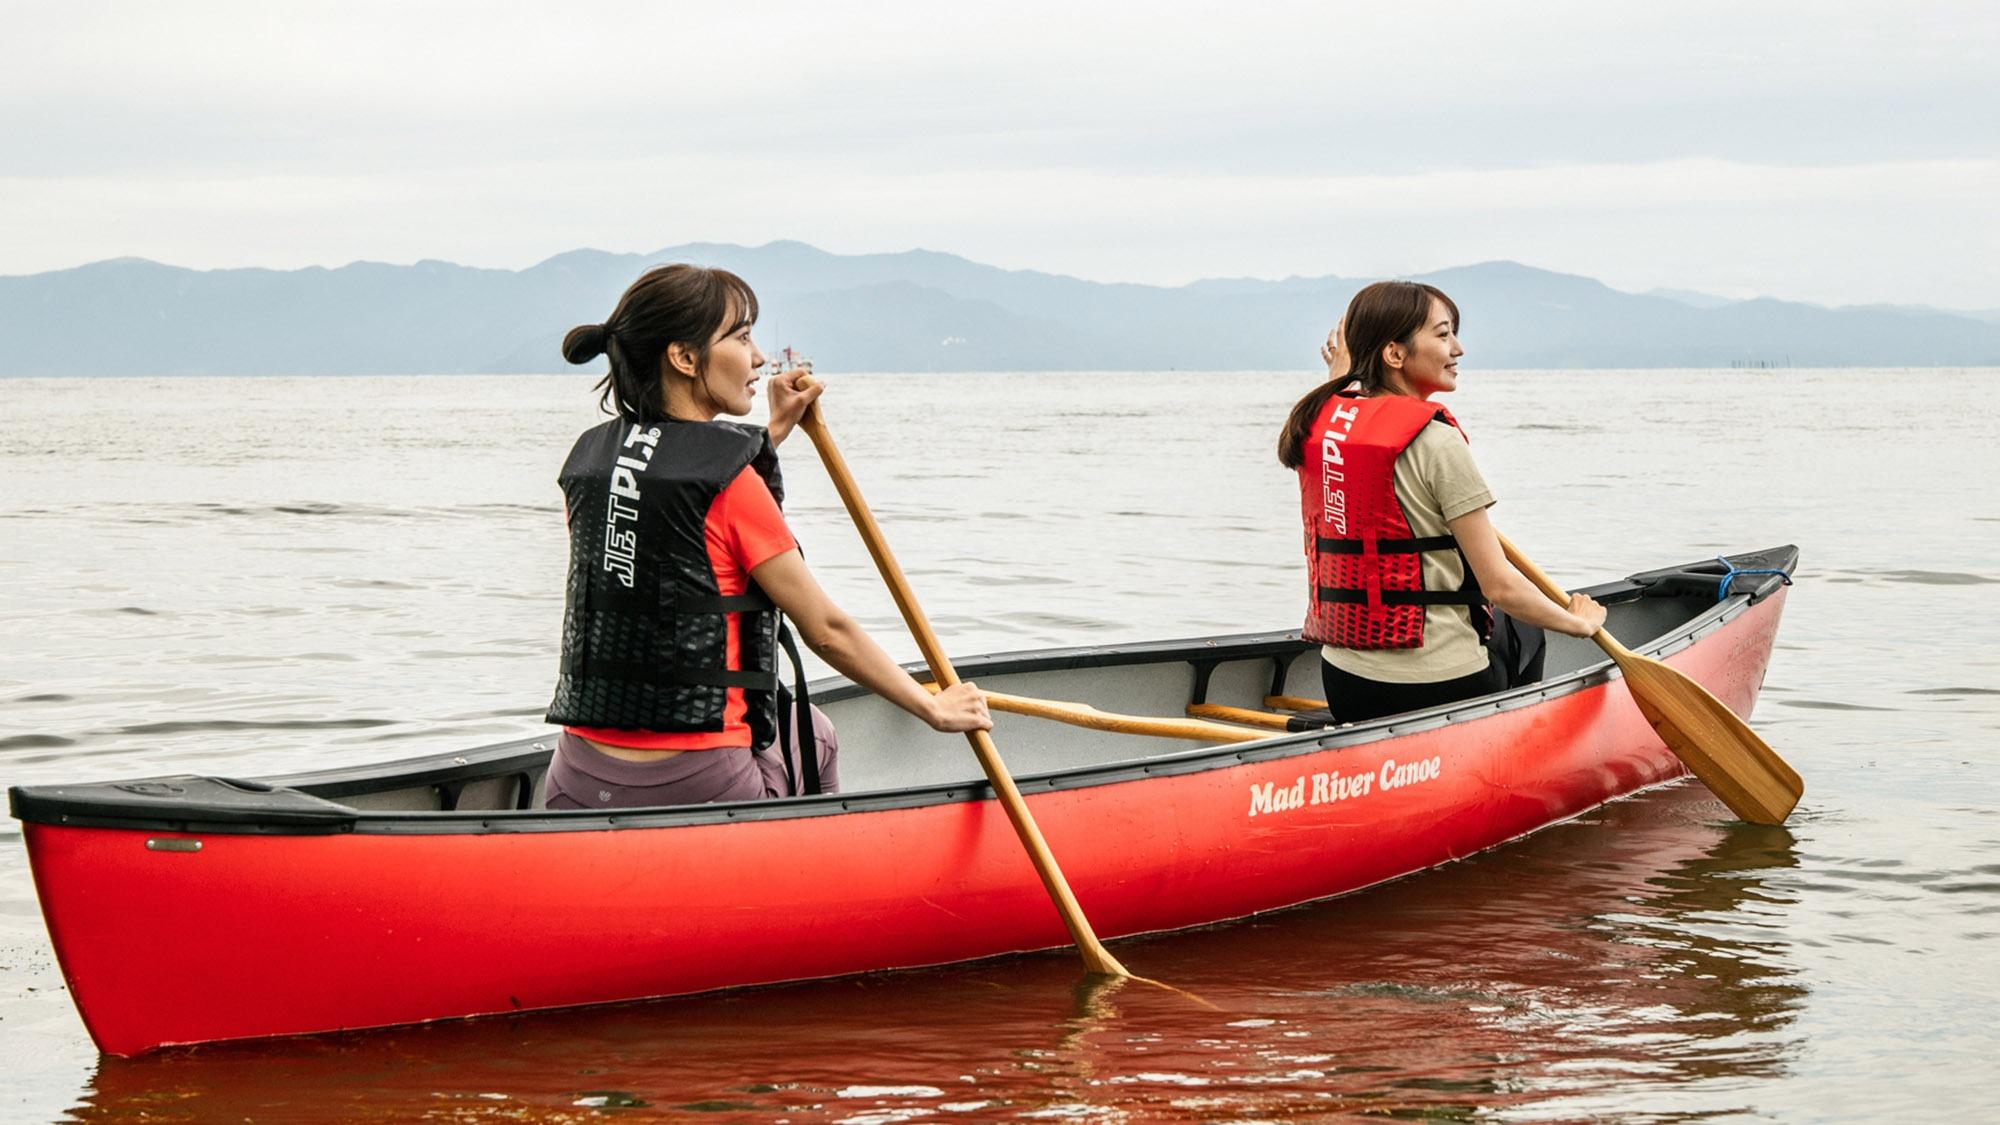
[[621, 545], [1333, 491]]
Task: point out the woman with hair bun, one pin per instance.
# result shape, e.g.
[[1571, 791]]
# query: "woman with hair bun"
[[1412, 599], [681, 566]]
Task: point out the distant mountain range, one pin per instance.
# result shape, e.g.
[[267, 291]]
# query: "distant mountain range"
[[912, 311]]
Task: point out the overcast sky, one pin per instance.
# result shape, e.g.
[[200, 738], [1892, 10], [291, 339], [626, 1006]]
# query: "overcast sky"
[[1831, 152]]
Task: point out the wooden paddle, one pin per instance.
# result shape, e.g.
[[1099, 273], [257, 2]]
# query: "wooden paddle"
[[1096, 958], [1090, 718], [1719, 747], [1245, 715]]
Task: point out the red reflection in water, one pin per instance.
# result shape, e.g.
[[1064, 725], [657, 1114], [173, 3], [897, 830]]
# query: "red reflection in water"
[[1630, 959]]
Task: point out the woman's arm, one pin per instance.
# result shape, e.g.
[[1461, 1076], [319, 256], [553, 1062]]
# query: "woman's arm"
[[840, 641], [1510, 589]]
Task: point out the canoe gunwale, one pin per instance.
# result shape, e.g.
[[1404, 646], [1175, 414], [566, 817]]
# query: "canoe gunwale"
[[318, 811]]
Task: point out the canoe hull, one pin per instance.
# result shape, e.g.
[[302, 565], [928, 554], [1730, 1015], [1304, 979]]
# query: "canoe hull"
[[264, 935]]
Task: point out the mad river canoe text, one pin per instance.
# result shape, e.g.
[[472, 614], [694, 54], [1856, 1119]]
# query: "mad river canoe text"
[[1325, 788]]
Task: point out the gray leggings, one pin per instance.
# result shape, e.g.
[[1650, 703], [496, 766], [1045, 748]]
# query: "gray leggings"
[[583, 777]]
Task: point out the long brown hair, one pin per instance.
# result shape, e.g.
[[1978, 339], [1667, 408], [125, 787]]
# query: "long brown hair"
[[677, 304], [1387, 312]]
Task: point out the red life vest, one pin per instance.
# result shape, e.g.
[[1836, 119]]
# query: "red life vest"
[[1367, 568]]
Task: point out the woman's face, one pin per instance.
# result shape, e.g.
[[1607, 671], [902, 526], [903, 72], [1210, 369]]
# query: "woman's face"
[[1430, 358], [734, 367]]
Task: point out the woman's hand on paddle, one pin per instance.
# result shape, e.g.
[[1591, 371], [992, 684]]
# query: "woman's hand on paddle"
[[791, 392], [960, 708], [1334, 351], [1585, 608]]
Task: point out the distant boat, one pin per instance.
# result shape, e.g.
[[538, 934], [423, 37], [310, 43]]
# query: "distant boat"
[[189, 909]]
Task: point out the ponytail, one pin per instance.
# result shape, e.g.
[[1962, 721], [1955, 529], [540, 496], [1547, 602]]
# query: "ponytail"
[[1298, 425]]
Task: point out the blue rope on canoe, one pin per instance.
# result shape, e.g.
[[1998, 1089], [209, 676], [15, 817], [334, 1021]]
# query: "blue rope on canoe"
[[1732, 572]]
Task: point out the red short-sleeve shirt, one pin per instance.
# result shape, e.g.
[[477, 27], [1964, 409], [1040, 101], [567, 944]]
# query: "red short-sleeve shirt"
[[745, 529]]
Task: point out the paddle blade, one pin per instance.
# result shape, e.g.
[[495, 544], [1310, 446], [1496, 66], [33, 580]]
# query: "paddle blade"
[[1719, 747]]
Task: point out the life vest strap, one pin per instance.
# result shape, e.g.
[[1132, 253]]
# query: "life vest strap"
[[1470, 596], [669, 675], [735, 603], [798, 702], [1388, 546]]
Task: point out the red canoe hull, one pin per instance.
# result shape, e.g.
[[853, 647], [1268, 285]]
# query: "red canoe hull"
[[263, 935]]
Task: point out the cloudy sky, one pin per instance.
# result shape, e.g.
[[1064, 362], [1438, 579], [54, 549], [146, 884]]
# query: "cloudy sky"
[[1828, 151]]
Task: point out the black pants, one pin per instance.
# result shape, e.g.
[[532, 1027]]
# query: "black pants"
[[1515, 653]]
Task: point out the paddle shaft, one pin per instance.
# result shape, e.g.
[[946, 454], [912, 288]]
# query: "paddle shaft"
[[1714, 742], [1090, 718], [1095, 957], [1244, 715], [1558, 595]]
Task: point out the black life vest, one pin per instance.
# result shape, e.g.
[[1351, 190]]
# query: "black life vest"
[[1367, 565], [644, 642]]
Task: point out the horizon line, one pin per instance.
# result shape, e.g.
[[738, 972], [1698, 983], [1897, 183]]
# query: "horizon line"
[[1657, 292]]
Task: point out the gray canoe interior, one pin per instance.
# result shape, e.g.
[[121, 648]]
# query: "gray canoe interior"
[[884, 748]]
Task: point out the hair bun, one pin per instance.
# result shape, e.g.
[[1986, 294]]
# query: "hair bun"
[[585, 342]]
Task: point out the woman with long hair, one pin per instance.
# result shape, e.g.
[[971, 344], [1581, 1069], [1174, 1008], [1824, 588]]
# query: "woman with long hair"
[[681, 566], [1412, 599]]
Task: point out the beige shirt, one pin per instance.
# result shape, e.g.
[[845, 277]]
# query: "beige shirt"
[[1436, 482]]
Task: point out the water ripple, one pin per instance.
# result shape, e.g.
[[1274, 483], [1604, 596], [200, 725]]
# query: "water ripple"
[[213, 725], [1936, 577], [35, 742]]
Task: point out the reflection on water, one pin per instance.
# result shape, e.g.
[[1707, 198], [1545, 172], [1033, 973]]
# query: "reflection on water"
[[1638, 951]]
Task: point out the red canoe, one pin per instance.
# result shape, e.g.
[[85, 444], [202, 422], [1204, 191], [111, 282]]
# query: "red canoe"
[[192, 909]]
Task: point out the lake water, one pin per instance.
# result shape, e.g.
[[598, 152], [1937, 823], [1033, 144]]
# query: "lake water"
[[247, 576]]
